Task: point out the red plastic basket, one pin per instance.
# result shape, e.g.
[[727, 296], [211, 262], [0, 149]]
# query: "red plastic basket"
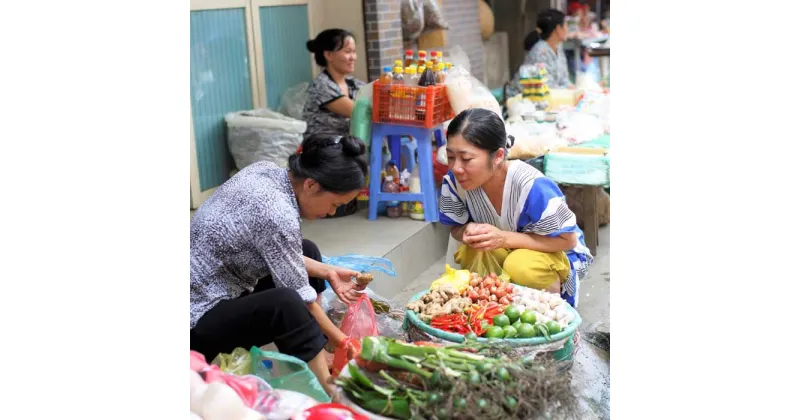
[[412, 106]]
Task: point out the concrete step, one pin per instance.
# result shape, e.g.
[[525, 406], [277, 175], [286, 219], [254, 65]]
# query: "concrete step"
[[412, 246]]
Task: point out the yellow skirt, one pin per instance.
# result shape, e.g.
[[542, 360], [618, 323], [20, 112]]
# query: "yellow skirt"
[[538, 270]]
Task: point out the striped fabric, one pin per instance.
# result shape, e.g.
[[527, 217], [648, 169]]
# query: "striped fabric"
[[532, 203]]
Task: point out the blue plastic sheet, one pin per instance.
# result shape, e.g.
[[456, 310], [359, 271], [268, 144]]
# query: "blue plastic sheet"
[[361, 263]]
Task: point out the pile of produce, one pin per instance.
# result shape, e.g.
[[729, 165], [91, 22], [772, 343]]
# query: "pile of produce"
[[440, 300], [547, 306], [423, 380], [489, 288], [492, 307]]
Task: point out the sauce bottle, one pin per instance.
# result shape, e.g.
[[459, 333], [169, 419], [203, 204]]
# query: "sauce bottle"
[[396, 101], [421, 61], [409, 58]]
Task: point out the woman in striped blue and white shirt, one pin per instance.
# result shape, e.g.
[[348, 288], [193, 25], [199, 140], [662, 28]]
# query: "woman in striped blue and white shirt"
[[509, 208]]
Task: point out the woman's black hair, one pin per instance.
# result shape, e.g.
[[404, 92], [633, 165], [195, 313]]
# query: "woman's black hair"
[[481, 128], [338, 164], [546, 23], [327, 40]]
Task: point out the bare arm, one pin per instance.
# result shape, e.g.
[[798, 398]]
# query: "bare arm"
[[457, 232], [563, 242], [334, 334], [317, 269], [342, 106]]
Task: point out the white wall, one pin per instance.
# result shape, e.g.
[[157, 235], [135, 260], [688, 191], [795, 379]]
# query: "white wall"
[[343, 14]]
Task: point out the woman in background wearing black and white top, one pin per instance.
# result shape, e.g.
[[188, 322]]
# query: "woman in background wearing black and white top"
[[254, 279], [331, 96]]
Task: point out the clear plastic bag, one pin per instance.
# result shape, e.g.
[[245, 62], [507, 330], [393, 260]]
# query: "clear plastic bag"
[[263, 134], [293, 101], [465, 91], [433, 16], [413, 19], [238, 362], [480, 262]]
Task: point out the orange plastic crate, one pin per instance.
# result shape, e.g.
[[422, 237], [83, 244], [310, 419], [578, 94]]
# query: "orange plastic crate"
[[412, 106]]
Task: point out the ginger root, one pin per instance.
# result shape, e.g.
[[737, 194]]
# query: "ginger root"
[[364, 279]]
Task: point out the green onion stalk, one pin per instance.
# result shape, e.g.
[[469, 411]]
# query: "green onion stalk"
[[452, 382]]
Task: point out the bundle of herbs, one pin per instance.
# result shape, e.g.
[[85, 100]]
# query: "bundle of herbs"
[[406, 381]]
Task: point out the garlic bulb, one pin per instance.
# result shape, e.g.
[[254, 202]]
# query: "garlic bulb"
[[563, 323], [544, 297], [555, 301], [194, 416], [568, 317], [542, 307], [550, 314]]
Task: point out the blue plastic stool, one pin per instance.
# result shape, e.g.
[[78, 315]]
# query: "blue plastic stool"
[[393, 134], [408, 149]]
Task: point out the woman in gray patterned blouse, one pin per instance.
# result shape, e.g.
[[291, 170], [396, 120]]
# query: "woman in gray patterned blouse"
[[254, 280], [330, 97], [544, 45]]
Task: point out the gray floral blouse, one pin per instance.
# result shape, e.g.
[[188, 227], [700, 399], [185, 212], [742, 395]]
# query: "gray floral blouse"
[[555, 62], [248, 229], [322, 91]]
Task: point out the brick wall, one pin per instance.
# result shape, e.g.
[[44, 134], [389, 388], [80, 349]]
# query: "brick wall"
[[384, 34], [465, 30]]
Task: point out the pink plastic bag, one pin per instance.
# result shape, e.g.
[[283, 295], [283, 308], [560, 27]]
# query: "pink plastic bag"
[[359, 320]]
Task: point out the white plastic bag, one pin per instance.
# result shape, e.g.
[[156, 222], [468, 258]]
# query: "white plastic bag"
[[532, 139], [464, 91], [293, 101], [263, 134]]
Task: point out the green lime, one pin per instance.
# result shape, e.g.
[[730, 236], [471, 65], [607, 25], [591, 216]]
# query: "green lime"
[[495, 332], [503, 374], [509, 332], [485, 325], [474, 378], [471, 337], [501, 321], [517, 324], [553, 327], [526, 331], [528, 317], [512, 313]]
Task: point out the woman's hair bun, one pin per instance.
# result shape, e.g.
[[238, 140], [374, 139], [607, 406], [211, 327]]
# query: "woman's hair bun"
[[352, 146], [510, 142], [311, 45]]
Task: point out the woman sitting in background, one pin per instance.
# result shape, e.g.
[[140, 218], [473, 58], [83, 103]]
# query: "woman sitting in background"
[[509, 209], [330, 97], [544, 45]]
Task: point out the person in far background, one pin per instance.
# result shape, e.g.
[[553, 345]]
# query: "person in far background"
[[330, 97], [544, 45]]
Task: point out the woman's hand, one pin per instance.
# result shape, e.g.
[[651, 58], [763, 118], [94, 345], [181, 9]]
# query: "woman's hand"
[[484, 237], [342, 284]]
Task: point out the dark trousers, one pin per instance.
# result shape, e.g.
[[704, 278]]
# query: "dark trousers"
[[266, 315]]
